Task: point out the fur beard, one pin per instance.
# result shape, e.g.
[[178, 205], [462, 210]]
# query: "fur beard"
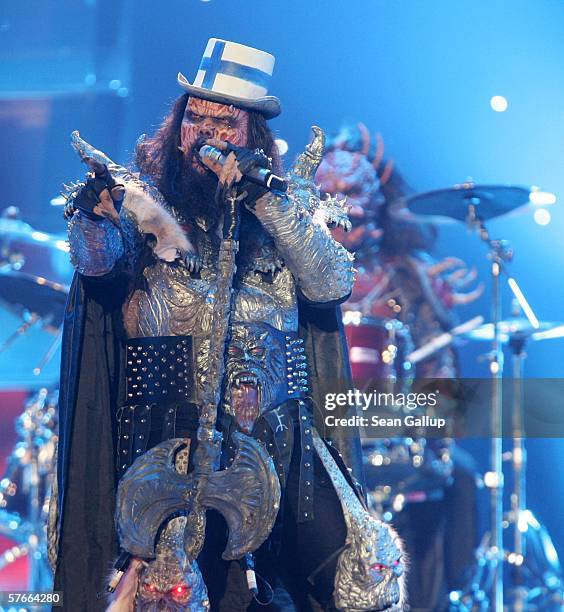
[[196, 197], [195, 192]]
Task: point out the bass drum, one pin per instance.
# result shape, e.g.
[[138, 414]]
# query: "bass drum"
[[377, 350], [402, 471]]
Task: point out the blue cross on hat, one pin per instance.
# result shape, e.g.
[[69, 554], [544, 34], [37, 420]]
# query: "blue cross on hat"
[[231, 73]]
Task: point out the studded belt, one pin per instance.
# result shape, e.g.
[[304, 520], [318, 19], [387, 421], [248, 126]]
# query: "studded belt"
[[160, 395], [159, 370]]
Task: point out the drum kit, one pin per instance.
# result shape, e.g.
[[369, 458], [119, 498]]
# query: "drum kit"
[[520, 571], [35, 275]]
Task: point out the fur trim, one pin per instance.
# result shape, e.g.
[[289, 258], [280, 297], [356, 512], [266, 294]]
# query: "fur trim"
[[153, 219]]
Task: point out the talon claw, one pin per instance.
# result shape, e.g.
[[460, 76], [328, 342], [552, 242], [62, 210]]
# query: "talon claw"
[[461, 299], [442, 266]]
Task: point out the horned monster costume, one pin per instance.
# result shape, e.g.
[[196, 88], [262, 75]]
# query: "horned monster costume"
[[202, 325]]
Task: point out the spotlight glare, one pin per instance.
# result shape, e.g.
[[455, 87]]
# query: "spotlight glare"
[[499, 104], [542, 216], [542, 198], [282, 146]]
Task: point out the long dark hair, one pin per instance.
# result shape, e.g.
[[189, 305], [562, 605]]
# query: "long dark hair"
[[159, 157]]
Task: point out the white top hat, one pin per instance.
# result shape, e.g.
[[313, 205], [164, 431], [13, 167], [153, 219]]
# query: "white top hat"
[[231, 73]]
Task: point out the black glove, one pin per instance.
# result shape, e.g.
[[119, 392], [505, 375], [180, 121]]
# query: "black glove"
[[247, 160], [89, 195]]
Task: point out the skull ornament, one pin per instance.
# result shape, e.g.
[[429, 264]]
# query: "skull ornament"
[[170, 583], [370, 570]]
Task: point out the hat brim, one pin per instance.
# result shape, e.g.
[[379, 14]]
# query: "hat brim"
[[268, 106]]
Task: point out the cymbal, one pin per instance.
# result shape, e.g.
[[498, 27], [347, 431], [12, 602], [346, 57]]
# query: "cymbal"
[[35, 270], [490, 201], [518, 328]]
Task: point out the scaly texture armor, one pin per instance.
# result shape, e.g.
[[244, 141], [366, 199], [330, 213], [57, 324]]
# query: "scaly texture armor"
[[297, 222], [95, 246]]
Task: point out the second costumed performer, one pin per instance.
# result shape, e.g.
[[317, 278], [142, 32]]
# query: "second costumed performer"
[[202, 323]]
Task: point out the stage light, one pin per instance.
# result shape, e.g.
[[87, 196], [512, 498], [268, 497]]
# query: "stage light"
[[542, 216], [40, 236], [114, 84], [282, 146], [90, 79], [498, 103], [541, 198], [62, 245]]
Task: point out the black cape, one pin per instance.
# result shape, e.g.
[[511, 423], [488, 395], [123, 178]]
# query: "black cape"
[[90, 388]]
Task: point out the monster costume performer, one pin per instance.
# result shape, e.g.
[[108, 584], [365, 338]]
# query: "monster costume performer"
[[202, 326]]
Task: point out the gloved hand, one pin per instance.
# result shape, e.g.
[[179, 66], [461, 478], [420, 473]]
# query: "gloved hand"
[[248, 160], [238, 162], [101, 197]]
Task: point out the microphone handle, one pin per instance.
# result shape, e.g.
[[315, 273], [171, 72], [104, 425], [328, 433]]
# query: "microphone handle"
[[265, 178], [260, 176]]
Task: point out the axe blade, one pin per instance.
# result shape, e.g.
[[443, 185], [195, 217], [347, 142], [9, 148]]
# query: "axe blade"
[[247, 494], [149, 493]]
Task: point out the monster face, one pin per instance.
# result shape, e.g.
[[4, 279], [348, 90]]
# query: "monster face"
[[254, 364]]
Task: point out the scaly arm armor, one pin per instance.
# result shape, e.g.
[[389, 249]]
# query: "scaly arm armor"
[[97, 246], [322, 267]]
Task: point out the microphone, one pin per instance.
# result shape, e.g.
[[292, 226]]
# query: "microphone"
[[259, 176]]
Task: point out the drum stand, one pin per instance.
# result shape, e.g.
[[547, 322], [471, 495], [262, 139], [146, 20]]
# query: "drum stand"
[[487, 589], [31, 464]]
